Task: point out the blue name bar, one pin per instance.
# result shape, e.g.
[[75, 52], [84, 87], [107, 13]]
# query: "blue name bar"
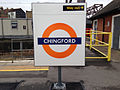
[[59, 41]]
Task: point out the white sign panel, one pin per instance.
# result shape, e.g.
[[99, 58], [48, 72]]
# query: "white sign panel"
[[59, 34]]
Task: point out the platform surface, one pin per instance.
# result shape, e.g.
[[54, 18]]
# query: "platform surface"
[[20, 65]]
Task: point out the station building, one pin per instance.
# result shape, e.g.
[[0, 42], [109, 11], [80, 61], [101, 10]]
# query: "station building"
[[16, 30], [108, 20], [16, 33]]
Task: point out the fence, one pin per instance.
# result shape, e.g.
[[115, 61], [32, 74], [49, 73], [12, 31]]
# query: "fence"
[[19, 49], [100, 42]]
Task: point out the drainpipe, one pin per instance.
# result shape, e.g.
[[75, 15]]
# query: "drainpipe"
[[2, 28], [27, 27]]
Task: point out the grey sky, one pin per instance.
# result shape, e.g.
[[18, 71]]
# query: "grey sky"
[[26, 4]]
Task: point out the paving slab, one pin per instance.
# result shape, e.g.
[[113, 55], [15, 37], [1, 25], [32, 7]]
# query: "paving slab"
[[102, 76], [96, 75]]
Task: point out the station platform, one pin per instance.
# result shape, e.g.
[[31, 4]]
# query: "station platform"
[[28, 65], [20, 65]]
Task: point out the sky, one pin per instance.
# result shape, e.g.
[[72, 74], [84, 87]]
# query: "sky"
[[26, 4]]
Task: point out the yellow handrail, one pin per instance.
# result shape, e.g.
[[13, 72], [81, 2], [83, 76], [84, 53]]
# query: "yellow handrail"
[[99, 43]]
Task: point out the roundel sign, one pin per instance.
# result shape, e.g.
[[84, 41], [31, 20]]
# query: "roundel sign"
[[45, 41], [59, 34]]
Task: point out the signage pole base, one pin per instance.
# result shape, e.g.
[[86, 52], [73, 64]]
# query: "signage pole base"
[[59, 85]]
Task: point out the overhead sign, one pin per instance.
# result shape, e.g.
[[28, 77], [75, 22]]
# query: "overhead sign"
[[73, 8], [59, 37]]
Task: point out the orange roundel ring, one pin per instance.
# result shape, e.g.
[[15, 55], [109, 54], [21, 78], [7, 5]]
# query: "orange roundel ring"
[[58, 26]]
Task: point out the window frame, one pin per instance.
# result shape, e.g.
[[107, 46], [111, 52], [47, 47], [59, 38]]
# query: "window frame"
[[14, 24]]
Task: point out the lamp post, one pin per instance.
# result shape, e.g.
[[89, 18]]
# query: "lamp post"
[[79, 1], [66, 1]]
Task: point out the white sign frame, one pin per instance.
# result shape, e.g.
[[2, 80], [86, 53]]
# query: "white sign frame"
[[47, 14]]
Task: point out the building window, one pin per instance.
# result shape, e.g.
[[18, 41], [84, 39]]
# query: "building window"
[[95, 25], [24, 27], [14, 24], [8, 16], [108, 23]]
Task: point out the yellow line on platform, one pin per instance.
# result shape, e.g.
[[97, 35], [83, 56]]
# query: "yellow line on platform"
[[24, 70], [96, 57]]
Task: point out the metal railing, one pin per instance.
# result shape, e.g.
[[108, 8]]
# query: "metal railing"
[[95, 41], [11, 50], [19, 49]]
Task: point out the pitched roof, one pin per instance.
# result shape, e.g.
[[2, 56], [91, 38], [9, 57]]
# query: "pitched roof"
[[13, 10], [112, 6]]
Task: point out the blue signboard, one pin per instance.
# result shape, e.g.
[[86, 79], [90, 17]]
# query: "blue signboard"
[[59, 41]]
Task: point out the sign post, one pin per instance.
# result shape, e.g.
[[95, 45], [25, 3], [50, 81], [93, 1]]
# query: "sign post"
[[59, 76], [59, 35], [59, 85]]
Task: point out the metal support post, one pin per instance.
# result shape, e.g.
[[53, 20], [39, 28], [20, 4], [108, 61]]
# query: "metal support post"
[[12, 50], [90, 39], [66, 1], [109, 47], [59, 76], [21, 49], [96, 41], [70, 1], [59, 85]]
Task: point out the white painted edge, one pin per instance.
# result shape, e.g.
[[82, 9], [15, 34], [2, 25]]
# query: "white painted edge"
[[119, 41], [17, 61], [94, 22]]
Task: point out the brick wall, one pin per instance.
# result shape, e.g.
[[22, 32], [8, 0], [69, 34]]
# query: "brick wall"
[[108, 26], [100, 27]]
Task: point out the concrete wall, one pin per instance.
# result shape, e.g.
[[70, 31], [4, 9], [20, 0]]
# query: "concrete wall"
[[30, 26], [19, 31]]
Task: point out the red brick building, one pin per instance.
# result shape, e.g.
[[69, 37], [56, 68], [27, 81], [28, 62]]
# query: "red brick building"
[[4, 12], [12, 13], [108, 20]]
